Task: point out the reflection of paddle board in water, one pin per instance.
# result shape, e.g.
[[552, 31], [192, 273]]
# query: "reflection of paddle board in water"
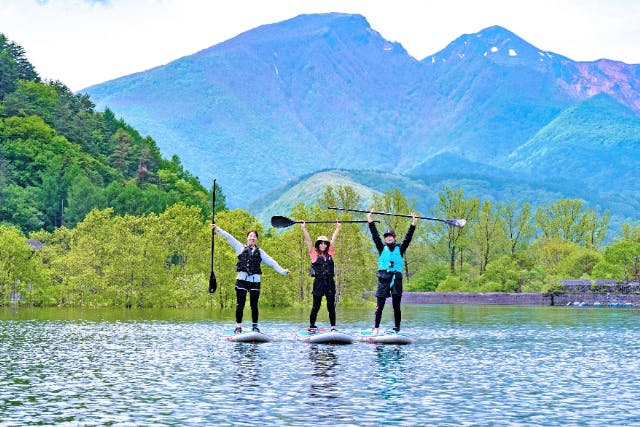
[[385, 337], [323, 336], [246, 336]]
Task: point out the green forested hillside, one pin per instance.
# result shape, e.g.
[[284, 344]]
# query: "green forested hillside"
[[59, 158]]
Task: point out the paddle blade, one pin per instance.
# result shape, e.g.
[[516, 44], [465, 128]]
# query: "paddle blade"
[[213, 285], [456, 222], [281, 221]]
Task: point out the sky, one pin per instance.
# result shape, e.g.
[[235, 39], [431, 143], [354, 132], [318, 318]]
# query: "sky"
[[86, 42]]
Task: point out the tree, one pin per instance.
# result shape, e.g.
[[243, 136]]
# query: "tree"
[[8, 74], [548, 254], [568, 220], [18, 273], [17, 54], [487, 235], [452, 204], [518, 226], [617, 260], [579, 264], [82, 197]]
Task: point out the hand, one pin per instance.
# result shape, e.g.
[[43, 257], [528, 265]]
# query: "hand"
[[303, 225], [415, 218], [337, 224], [213, 227], [370, 216], [286, 271]]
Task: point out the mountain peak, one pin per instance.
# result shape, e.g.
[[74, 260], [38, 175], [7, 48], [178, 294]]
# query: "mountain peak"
[[301, 26], [494, 43]]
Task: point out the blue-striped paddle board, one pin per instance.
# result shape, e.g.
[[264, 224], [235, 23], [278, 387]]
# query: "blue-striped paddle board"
[[385, 337]]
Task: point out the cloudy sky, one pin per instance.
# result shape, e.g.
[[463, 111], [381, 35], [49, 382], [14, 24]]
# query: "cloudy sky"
[[85, 42]]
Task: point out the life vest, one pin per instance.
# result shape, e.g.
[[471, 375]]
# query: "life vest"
[[390, 259], [248, 262], [323, 267]]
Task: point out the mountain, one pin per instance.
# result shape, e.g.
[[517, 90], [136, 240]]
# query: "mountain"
[[318, 92], [273, 103]]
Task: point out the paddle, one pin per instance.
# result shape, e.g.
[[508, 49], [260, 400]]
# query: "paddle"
[[451, 222], [283, 221], [213, 285]]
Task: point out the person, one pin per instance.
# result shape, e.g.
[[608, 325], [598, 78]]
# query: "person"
[[322, 270], [250, 256], [390, 263]]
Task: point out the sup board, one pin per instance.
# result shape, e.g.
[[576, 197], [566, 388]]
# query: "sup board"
[[246, 336], [385, 337], [323, 336]]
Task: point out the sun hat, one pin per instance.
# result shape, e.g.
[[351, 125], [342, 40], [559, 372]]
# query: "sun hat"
[[322, 239]]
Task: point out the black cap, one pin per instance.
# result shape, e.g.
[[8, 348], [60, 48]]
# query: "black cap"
[[389, 232]]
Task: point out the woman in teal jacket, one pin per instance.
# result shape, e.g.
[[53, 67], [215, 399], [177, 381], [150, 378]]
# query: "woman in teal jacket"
[[390, 263]]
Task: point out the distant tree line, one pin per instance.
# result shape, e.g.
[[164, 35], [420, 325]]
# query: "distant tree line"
[[162, 260]]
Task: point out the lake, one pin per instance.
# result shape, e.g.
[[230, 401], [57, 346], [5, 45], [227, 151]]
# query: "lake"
[[470, 365]]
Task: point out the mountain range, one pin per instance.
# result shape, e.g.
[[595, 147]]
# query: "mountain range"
[[325, 98]]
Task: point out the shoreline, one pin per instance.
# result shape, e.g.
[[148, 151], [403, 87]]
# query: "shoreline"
[[504, 298]]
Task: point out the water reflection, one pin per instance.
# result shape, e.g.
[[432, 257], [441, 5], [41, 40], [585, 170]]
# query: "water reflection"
[[248, 361], [389, 355], [323, 361], [391, 377]]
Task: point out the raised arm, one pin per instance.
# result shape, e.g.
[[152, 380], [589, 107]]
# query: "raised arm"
[[374, 232], [306, 236], [334, 237], [407, 237]]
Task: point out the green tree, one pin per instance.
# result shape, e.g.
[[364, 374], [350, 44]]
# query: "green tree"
[[518, 224], [548, 254], [502, 275], [579, 264], [82, 197], [19, 207], [17, 54], [568, 220], [428, 278], [8, 74], [31, 99], [452, 204], [487, 237], [617, 260], [179, 238], [18, 273]]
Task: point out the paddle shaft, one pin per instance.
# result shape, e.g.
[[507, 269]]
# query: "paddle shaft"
[[330, 222], [213, 285], [213, 221], [390, 214]]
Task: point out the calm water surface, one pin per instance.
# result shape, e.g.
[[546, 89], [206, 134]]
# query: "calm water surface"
[[470, 365]]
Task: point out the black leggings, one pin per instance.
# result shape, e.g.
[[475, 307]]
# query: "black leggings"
[[397, 314], [241, 297], [331, 308]]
